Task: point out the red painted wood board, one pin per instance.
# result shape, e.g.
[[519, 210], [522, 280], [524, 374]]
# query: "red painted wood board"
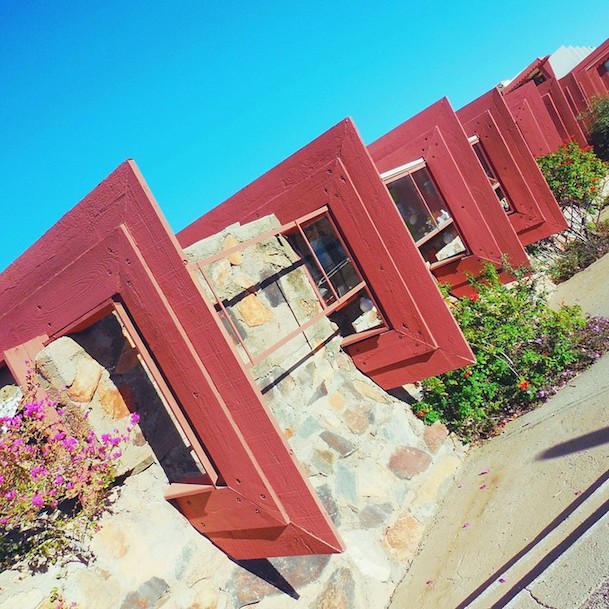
[[591, 75], [531, 116], [336, 171], [436, 135], [536, 214], [116, 244]]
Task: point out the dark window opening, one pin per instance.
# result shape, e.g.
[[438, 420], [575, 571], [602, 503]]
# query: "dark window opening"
[[491, 174]]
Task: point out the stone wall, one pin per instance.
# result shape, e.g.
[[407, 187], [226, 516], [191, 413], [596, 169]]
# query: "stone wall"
[[376, 468]]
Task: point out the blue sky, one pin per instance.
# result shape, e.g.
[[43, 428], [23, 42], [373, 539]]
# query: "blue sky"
[[207, 96]]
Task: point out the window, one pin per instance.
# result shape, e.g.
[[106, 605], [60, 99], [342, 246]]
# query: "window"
[[492, 176], [426, 215], [313, 252]]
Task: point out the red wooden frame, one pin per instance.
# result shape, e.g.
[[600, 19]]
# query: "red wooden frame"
[[536, 214], [533, 120], [538, 80], [437, 136], [114, 250], [336, 171], [589, 78]]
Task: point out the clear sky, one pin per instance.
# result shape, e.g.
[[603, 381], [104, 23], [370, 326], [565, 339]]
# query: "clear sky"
[[206, 96]]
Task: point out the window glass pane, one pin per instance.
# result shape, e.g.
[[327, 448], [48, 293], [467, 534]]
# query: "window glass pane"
[[446, 244], [298, 243], [411, 207], [433, 198], [332, 255]]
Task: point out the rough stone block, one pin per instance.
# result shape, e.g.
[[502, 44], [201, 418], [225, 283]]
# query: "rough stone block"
[[253, 312], [407, 462], [358, 419], [403, 537], [147, 596], [338, 593], [112, 401], [373, 515], [341, 445], [236, 258], [435, 435], [57, 362]]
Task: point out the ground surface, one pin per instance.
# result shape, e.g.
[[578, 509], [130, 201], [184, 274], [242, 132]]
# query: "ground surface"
[[528, 502]]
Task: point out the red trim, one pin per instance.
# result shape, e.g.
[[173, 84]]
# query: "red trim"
[[536, 214], [336, 171], [437, 136], [116, 242]]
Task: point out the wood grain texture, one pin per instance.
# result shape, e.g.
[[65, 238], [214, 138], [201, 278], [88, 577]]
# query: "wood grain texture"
[[536, 213], [436, 135], [116, 245], [336, 171]]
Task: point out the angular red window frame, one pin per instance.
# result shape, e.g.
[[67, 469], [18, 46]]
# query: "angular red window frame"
[[534, 118], [336, 171], [326, 309], [114, 250], [531, 116], [585, 80], [436, 136], [536, 214]]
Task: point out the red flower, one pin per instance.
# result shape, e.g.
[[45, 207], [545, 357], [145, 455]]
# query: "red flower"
[[524, 385], [467, 373], [474, 297], [421, 413], [592, 188]]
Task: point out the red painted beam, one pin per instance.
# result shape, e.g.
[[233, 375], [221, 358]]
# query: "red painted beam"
[[591, 73], [536, 214], [437, 136], [336, 171], [116, 244], [531, 116]]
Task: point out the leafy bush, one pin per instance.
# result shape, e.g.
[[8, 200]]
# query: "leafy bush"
[[597, 119], [576, 176], [54, 475], [524, 350]]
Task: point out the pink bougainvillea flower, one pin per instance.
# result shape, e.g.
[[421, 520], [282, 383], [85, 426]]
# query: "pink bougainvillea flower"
[[135, 418], [11, 494], [37, 500]]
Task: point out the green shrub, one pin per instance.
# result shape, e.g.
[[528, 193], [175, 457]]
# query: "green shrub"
[[597, 119], [575, 175], [524, 350]]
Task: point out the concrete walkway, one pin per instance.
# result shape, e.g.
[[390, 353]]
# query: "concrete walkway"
[[530, 505]]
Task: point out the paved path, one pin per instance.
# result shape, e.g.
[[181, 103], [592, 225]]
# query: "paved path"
[[529, 501]]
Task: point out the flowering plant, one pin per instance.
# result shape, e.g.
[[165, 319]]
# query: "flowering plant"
[[524, 352], [54, 474], [575, 175]]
